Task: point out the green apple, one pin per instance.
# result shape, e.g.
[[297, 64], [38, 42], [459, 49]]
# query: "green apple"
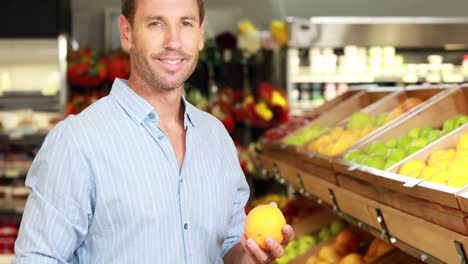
[[352, 155], [460, 120], [426, 131], [380, 121], [391, 143], [390, 163], [337, 226], [404, 141], [449, 125], [359, 120], [376, 148], [415, 132], [419, 143], [412, 149], [377, 162], [324, 234], [434, 135], [396, 154]]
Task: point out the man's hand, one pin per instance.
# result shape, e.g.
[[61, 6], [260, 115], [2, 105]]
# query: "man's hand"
[[276, 250]]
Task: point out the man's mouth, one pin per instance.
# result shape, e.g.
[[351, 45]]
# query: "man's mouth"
[[171, 61]]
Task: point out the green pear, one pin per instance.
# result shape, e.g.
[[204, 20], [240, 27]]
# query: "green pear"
[[391, 143], [376, 148], [396, 154], [449, 125]]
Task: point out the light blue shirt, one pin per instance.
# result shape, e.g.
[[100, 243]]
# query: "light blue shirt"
[[106, 188]]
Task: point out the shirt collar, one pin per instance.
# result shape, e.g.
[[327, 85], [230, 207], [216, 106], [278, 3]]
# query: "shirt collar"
[[138, 108]]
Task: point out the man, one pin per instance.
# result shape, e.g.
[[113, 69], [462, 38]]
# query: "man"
[[142, 176]]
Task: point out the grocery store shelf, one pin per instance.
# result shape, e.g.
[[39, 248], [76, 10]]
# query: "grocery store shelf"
[[29, 100], [420, 238], [18, 139], [12, 205]]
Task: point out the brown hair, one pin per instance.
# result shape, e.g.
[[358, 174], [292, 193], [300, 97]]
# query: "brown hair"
[[129, 6]]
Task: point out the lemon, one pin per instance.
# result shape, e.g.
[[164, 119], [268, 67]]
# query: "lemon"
[[463, 142], [412, 168]]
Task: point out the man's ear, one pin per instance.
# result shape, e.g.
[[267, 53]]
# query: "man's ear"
[[125, 29], [202, 32]]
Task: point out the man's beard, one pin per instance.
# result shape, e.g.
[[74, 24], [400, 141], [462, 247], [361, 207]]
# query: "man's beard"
[[142, 68]]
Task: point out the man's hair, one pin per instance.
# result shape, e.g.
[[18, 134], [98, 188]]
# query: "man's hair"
[[129, 7]]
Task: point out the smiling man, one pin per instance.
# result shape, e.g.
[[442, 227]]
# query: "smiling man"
[[142, 176]]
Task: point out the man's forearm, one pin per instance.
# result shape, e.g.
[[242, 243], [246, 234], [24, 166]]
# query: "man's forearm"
[[237, 255]]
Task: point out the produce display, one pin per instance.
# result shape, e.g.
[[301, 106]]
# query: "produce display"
[[445, 166], [347, 250], [303, 136], [304, 243], [383, 155], [288, 128], [359, 125]]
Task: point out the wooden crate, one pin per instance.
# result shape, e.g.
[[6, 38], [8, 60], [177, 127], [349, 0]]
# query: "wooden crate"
[[433, 191], [275, 145], [419, 233], [316, 186], [334, 116], [447, 217], [453, 103]]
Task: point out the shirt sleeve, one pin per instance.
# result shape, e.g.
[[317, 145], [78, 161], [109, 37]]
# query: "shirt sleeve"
[[236, 225], [59, 208]]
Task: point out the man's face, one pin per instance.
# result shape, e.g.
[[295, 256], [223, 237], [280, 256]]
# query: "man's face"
[[164, 41]]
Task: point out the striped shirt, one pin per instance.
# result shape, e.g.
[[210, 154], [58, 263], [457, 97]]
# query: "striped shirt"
[[106, 188]]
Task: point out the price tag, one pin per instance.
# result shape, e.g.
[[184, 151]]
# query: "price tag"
[[354, 167], [412, 183]]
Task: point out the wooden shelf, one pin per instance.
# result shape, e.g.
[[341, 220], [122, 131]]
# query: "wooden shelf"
[[418, 237]]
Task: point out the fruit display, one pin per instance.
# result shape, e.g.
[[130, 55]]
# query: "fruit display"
[[383, 155], [264, 221], [445, 166], [359, 125], [346, 249], [303, 136], [345, 243], [288, 128], [341, 138], [304, 243]]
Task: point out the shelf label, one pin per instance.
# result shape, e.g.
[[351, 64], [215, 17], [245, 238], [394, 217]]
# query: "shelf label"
[[412, 183]]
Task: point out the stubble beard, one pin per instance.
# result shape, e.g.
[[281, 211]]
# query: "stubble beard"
[[142, 68]]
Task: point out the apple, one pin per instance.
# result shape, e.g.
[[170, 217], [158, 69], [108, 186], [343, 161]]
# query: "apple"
[[426, 131], [419, 142], [390, 163], [434, 135], [391, 143], [352, 155], [376, 148], [396, 154], [460, 120], [415, 132], [404, 141], [449, 125], [377, 162]]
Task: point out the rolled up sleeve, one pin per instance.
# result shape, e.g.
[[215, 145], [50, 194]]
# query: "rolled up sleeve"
[[60, 206]]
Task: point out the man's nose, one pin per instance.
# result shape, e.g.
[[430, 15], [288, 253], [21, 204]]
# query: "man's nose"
[[172, 40]]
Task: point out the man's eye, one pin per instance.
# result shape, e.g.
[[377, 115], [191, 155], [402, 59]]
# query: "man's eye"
[[155, 24], [186, 24]]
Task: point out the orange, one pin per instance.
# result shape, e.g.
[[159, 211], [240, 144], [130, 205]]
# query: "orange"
[[264, 221]]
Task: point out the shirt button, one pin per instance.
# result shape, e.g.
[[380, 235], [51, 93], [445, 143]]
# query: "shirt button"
[[160, 137], [185, 226], [151, 116], [181, 180]]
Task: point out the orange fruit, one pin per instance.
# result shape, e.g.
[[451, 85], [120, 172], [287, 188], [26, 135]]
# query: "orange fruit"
[[264, 221]]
